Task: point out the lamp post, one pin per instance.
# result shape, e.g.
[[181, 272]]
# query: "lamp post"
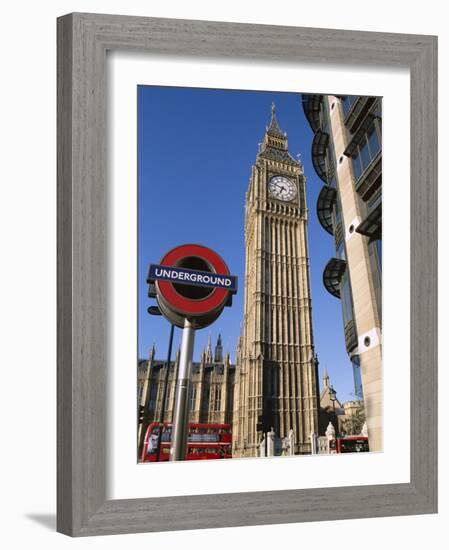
[[154, 310], [333, 398]]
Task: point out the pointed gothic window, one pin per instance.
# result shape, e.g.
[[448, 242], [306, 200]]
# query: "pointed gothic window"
[[153, 395], [192, 400], [216, 403]]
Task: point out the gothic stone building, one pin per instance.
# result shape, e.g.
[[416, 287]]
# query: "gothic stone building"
[[347, 418], [276, 374], [211, 389]]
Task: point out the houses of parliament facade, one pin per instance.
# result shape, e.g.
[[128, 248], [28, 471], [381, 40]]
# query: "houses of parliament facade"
[[273, 384], [211, 395]]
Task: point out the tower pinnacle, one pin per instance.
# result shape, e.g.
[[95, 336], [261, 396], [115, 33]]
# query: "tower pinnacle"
[[273, 129], [275, 145], [208, 350], [326, 378], [218, 356]]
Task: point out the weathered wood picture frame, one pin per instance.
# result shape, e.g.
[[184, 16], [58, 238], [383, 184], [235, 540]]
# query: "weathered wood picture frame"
[[83, 40]]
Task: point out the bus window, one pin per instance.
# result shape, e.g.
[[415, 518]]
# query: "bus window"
[[353, 445], [152, 442], [204, 442]]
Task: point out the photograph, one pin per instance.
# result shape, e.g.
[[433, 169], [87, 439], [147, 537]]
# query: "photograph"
[[224, 351], [259, 274]]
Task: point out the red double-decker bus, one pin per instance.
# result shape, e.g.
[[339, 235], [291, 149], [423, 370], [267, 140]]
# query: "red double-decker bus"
[[204, 442], [352, 444]]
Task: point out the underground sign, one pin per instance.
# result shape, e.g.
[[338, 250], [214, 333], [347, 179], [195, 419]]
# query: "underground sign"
[[191, 281]]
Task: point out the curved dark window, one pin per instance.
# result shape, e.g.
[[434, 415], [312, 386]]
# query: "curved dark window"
[[348, 314], [337, 213], [332, 276], [366, 152], [346, 298], [324, 118], [347, 102], [358, 390], [341, 251], [357, 168], [325, 206], [365, 155], [379, 252], [373, 141], [375, 252]]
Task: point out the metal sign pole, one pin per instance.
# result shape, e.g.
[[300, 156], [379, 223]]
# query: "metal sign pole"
[[181, 412], [164, 395]]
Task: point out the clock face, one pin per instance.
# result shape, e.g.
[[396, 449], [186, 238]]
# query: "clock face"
[[282, 188]]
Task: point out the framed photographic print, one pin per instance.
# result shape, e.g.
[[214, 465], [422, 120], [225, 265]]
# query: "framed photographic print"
[[234, 332]]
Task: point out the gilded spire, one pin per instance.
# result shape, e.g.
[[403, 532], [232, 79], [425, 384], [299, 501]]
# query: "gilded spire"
[[274, 145], [273, 129]]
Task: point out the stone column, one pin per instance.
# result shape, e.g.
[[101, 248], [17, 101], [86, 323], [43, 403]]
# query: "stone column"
[[292, 440], [262, 447]]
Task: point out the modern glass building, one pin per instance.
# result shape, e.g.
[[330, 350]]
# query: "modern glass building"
[[347, 156]]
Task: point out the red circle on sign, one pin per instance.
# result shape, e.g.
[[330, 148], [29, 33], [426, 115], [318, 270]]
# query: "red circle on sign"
[[185, 305]]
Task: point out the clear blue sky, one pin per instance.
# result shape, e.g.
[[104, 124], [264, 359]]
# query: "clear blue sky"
[[195, 152]]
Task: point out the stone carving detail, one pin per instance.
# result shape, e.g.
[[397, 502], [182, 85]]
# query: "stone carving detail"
[[364, 430], [330, 431]]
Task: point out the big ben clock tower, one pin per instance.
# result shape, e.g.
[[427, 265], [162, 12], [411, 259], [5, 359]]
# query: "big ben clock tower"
[[276, 376]]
